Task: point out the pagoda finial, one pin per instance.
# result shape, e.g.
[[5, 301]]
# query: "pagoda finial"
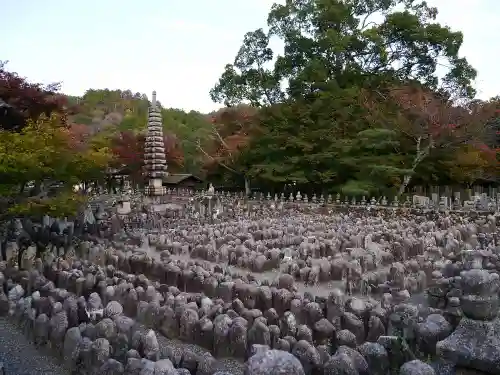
[[153, 101]]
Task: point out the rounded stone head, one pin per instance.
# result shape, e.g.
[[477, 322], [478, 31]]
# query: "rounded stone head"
[[274, 362], [480, 294]]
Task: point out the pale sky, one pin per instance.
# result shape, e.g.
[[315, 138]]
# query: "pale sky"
[[179, 47]]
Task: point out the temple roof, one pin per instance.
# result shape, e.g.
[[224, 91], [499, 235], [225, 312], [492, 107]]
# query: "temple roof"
[[177, 178]]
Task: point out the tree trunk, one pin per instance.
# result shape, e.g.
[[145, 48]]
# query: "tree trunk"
[[20, 257], [404, 185], [37, 189], [419, 157], [247, 186], [3, 246]]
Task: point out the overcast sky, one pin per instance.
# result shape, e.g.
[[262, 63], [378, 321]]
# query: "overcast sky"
[[179, 47]]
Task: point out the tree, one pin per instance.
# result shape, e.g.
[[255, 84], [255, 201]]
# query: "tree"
[[43, 153], [173, 152], [331, 43], [78, 136], [231, 132], [192, 130], [91, 162], [102, 109], [24, 101], [35, 153], [430, 123], [248, 79], [128, 151], [376, 161], [335, 140], [115, 111], [317, 96], [472, 163], [39, 145]]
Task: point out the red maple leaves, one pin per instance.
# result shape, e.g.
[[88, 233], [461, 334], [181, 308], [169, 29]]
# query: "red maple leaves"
[[27, 100], [128, 150], [232, 131], [433, 118], [78, 136]]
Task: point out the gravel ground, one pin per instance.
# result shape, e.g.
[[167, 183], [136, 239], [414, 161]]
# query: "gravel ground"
[[20, 357]]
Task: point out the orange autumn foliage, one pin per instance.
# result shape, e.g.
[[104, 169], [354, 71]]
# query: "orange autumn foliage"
[[232, 131], [435, 119], [128, 150], [78, 136]]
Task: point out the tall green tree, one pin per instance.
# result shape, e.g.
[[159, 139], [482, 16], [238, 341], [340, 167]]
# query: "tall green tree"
[[192, 130], [335, 140], [331, 43], [338, 53]]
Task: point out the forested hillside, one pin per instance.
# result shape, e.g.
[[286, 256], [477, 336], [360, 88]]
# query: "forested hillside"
[[356, 142], [108, 113], [203, 144]]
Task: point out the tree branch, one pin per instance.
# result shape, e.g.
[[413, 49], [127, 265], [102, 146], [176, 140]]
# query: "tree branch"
[[198, 146], [222, 141], [364, 24], [266, 92]]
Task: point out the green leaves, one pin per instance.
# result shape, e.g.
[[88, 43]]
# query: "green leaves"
[[358, 188], [327, 115], [350, 42], [64, 204], [254, 51], [231, 88], [249, 79], [43, 151]]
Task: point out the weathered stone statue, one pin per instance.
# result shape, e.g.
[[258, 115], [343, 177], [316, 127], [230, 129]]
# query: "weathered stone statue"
[[475, 344]]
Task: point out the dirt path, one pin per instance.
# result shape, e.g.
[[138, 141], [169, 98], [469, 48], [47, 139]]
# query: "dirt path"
[[321, 289], [20, 357]]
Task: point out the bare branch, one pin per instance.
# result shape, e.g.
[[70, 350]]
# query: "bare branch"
[[222, 141], [364, 24], [198, 145]]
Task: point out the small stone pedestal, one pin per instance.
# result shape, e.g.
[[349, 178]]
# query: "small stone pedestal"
[[156, 187], [123, 208], [475, 344]]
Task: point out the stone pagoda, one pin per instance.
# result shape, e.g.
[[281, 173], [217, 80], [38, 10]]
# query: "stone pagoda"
[[155, 162]]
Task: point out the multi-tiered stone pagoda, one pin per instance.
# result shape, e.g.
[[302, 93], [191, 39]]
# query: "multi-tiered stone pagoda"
[[154, 151]]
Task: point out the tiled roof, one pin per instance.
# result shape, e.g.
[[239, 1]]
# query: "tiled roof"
[[177, 178]]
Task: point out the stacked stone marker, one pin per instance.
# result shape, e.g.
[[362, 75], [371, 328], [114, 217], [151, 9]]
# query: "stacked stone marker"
[[154, 151]]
